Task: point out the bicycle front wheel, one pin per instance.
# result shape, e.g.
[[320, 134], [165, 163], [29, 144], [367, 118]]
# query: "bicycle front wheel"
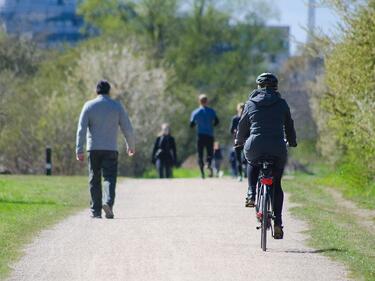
[[264, 223]]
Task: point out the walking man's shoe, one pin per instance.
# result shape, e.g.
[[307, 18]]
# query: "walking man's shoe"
[[96, 216], [108, 211], [278, 232]]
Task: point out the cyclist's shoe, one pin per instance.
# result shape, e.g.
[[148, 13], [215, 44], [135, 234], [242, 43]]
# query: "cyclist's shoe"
[[278, 232], [108, 211], [239, 178], [250, 202]]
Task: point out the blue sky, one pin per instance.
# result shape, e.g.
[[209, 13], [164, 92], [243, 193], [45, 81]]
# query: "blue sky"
[[294, 14]]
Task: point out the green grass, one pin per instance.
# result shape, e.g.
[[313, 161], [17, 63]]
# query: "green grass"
[[333, 230], [29, 204], [178, 173]]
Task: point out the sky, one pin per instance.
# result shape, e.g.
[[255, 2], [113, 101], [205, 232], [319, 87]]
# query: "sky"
[[294, 14]]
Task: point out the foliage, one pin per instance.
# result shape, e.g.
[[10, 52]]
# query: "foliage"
[[158, 57], [349, 101]]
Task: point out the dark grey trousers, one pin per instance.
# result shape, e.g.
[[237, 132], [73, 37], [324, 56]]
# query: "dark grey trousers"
[[164, 168], [102, 162]]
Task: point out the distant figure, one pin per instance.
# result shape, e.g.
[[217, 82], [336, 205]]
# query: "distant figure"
[[218, 157], [101, 118], [164, 154], [233, 163], [204, 118], [233, 132]]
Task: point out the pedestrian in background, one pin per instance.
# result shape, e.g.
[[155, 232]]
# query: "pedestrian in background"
[[204, 118], [99, 122], [218, 158], [233, 132], [164, 154]]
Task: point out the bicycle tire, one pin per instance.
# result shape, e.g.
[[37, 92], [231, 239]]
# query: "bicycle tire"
[[264, 224]]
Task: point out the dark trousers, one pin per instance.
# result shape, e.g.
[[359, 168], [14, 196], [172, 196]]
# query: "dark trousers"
[[205, 142], [239, 162], [164, 168], [102, 162], [277, 194]]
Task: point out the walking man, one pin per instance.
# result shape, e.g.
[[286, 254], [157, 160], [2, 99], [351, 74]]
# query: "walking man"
[[204, 118], [99, 120]]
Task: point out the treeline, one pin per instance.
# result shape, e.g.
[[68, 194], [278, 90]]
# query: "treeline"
[[349, 101], [158, 55], [343, 93]]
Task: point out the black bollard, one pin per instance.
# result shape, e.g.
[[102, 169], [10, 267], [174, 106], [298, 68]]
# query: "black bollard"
[[48, 161]]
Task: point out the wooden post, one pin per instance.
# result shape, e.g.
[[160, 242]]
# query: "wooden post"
[[48, 161]]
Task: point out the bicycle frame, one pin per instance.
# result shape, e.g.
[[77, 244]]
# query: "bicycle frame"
[[264, 202]]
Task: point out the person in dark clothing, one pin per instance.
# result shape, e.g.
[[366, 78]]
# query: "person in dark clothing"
[[164, 154], [233, 131], [218, 157], [265, 122], [204, 118], [233, 162]]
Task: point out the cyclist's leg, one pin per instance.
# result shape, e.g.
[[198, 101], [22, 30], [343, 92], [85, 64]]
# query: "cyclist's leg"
[[278, 195], [95, 181], [252, 177], [200, 147], [109, 167]]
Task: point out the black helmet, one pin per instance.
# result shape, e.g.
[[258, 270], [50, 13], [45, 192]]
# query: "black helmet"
[[267, 79], [103, 87]]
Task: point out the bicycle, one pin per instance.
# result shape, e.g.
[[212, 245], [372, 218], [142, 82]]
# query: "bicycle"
[[264, 203]]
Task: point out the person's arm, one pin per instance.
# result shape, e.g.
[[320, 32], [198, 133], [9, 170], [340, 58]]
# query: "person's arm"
[[127, 130], [290, 132], [174, 150], [216, 119], [192, 120], [233, 127], [243, 129], [156, 144], [81, 133]]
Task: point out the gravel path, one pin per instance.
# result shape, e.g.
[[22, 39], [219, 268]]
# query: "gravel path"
[[173, 230]]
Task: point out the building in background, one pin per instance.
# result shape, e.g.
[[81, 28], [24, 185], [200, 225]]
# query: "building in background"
[[50, 22]]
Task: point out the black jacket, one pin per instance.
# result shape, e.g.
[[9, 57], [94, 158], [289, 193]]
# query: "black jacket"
[[234, 125], [165, 149], [265, 122]]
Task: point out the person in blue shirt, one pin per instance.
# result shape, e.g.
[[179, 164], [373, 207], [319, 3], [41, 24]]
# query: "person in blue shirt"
[[204, 119]]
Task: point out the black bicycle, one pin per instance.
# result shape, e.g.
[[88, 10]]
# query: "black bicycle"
[[264, 203]]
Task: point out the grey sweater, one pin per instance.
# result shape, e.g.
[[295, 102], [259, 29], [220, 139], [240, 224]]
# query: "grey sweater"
[[100, 119]]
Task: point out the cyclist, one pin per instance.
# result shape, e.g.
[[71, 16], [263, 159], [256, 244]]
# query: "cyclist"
[[204, 118], [265, 121], [233, 130]]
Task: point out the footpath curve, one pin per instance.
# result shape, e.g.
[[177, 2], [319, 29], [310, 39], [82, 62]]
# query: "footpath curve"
[[173, 230]]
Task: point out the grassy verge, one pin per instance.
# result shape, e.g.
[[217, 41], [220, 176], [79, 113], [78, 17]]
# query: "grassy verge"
[[179, 173], [333, 229], [29, 204]]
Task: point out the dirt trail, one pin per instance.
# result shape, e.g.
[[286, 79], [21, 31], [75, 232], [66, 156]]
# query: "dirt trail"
[[365, 217], [173, 230]]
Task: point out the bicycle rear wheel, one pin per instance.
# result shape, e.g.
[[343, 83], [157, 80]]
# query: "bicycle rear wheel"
[[264, 223]]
